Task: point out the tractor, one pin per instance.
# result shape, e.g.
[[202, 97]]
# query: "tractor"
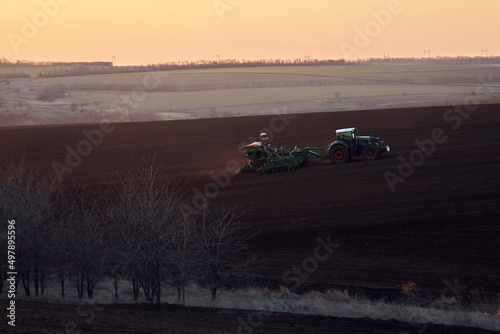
[[348, 145]]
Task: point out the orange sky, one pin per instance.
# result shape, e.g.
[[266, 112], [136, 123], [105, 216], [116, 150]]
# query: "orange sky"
[[153, 31]]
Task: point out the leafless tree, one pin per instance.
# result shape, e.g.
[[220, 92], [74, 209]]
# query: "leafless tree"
[[82, 236], [184, 256], [147, 207], [135, 230], [28, 198], [223, 247]]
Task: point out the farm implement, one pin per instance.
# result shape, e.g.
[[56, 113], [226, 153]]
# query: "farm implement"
[[347, 145], [267, 161]]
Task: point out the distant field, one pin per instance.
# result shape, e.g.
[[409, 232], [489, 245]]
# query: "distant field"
[[357, 71], [417, 74], [185, 101], [223, 92]]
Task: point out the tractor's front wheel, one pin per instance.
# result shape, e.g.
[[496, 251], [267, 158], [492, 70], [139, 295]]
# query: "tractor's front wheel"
[[370, 152], [338, 154]]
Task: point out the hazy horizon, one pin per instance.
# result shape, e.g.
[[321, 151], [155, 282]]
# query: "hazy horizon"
[[173, 30]]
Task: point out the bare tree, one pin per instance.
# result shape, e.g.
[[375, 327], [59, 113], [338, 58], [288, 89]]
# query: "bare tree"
[[61, 239], [14, 185], [184, 256], [83, 237], [147, 209], [28, 198], [223, 247]]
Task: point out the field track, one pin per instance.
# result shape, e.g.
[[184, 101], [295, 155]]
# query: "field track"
[[440, 224]]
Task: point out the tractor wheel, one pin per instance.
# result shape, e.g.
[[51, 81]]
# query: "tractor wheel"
[[338, 154], [370, 152]]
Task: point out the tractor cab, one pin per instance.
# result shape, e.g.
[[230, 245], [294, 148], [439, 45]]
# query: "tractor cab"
[[347, 135]]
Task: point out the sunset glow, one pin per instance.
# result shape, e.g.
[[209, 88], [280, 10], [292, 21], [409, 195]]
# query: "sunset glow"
[[152, 31]]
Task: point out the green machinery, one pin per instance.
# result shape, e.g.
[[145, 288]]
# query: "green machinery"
[[266, 161], [347, 145]]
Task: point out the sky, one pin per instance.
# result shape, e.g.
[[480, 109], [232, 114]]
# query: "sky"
[[158, 31]]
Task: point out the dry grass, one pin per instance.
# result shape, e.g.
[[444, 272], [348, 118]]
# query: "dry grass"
[[331, 303], [484, 302]]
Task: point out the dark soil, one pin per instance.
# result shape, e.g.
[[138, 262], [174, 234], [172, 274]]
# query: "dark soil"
[[439, 226]]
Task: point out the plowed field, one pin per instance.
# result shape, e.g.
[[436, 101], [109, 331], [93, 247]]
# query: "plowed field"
[[440, 225]]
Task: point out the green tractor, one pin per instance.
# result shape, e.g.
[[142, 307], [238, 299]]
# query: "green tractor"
[[348, 145]]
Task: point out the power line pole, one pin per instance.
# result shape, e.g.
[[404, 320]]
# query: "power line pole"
[[113, 59], [484, 52], [427, 52]]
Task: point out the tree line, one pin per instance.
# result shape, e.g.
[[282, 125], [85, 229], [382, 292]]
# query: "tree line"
[[133, 229], [61, 69]]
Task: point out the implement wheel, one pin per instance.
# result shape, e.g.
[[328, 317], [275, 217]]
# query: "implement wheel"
[[370, 152], [338, 154], [258, 165]]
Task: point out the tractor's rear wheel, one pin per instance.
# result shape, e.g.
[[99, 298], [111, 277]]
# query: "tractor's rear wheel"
[[370, 152], [338, 154]]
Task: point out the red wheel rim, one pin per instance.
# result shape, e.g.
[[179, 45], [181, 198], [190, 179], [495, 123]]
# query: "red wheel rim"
[[338, 154], [370, 152]]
